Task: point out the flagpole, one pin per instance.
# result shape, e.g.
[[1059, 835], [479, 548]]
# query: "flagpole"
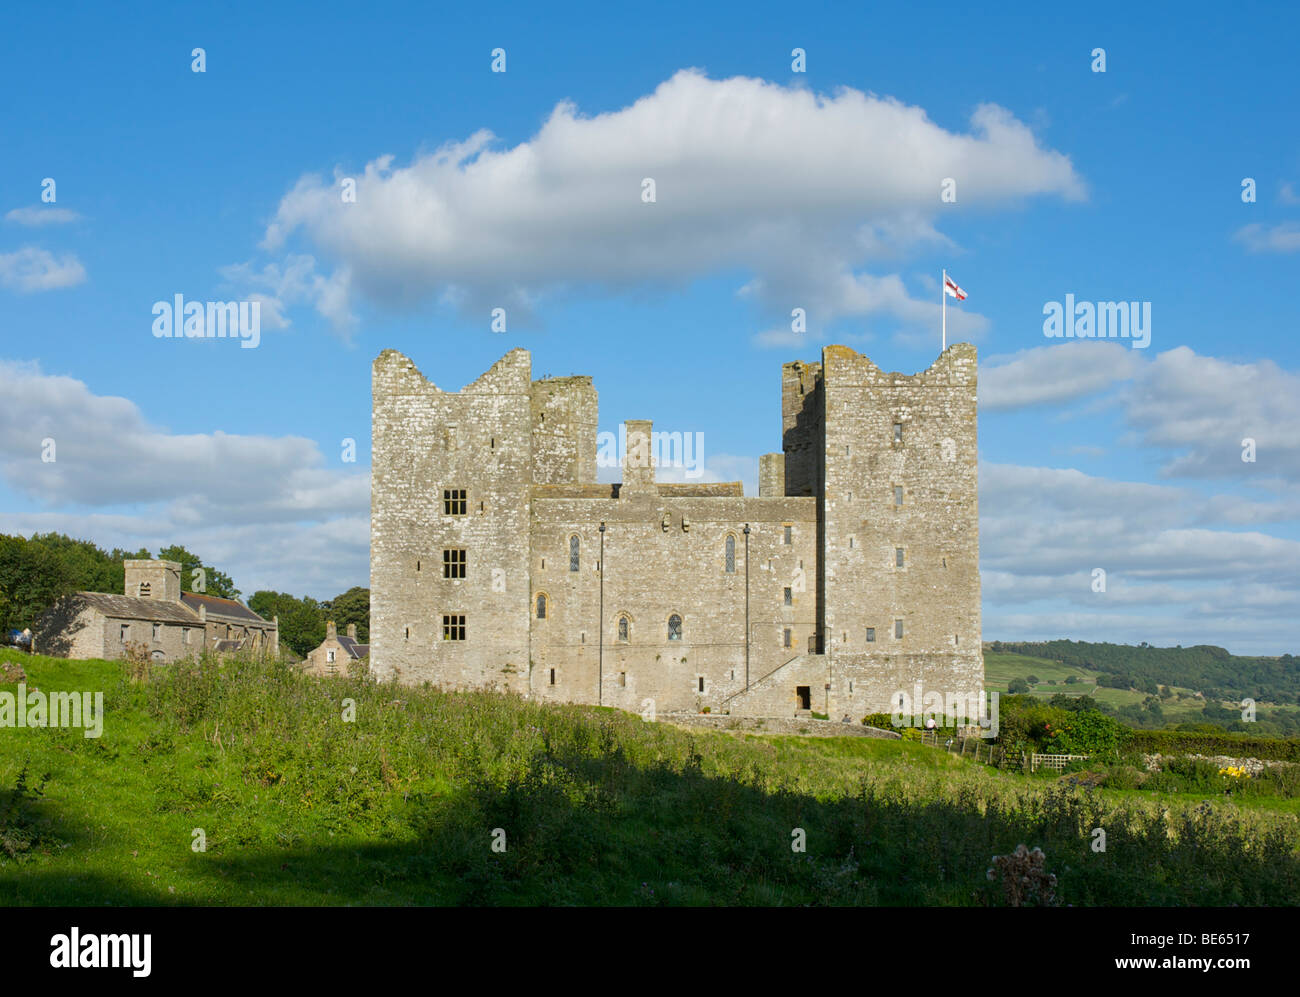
[[943, 306]]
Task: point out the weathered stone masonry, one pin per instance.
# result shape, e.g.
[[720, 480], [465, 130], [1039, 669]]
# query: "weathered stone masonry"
[[490, 567]]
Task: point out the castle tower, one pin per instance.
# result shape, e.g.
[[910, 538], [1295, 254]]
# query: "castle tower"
[[451, 486], [900, 527]]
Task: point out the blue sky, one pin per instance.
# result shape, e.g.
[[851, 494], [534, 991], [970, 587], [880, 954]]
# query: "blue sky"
[[775, 190]]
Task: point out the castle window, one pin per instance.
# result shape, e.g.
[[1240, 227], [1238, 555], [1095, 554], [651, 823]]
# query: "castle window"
[[157, 631], [871, 635], [453, 627], [898, 557], [674, 627], [850, 543], [541, 606], [144, 590], [789, 535], [453, 563], [898, 629], [898, 495], [126, 632], [185, 635], [789, 596], [455, 501], [552, 676], [573, 552], [787, 638], [623, 629], [329, 656], [898, 432], [731, 555], [622, 680], [407, 635], [700, 683]]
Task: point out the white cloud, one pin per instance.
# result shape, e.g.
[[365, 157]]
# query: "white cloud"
[[796, 188], [1054, 374], [1284, 237], [1204, 407], [107, 454], [36, 217], [279, 287], [31, 269], [1043, 531]]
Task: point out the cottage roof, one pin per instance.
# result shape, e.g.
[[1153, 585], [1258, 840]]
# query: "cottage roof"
[[129, 607], [354, 649], [221, 608]]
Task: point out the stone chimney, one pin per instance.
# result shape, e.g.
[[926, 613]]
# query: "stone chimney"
[[352, 630], [331, 631], [638, 459], [771, 475]]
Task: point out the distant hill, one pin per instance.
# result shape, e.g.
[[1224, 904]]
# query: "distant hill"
[[1211, 670]]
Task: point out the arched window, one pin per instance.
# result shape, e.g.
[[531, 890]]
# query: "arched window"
[[573, 552], [623, 629], [541, 606], [674, 627], [731, 555], [144, 590]]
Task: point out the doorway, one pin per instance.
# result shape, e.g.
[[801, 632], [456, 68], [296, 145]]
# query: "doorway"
[[804, 694]]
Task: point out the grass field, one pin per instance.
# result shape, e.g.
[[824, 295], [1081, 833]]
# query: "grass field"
[[402, 805], [1001, 668]]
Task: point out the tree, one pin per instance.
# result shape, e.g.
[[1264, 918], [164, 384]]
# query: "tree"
[[302, 621], [353, 606], [1017, 685], [215, 582]]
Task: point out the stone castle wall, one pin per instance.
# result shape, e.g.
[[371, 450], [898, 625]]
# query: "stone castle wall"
[[524, 452]]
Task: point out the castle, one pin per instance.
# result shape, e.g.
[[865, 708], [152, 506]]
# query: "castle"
[[498, 561]]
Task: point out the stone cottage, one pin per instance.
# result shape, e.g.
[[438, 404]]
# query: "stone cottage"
[[336, 653], [154, 615]]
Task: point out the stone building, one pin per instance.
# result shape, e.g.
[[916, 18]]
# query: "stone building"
[[335, 653], [154, 615], [852, 578]]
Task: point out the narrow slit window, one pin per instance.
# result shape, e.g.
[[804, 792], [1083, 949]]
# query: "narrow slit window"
[[789, 596], [730, 558], [787, 638], [898, 557], [871, 635], [701, 683], [622, 629], [573, 552], [898, 432], [552, 676], [898, 629], [541, 606], [789, 535], [898, 495]]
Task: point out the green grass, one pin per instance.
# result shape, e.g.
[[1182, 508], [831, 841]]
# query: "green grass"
[[1000, 668], [597, 806]]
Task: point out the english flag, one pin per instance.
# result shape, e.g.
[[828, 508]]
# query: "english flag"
[[950, 287]]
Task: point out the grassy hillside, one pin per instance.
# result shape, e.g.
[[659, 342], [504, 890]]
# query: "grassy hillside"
[[1178, 704], [1211, 670], [597, 807]]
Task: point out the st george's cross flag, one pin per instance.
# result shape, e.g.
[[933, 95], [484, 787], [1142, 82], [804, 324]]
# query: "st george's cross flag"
[[950, 287]]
